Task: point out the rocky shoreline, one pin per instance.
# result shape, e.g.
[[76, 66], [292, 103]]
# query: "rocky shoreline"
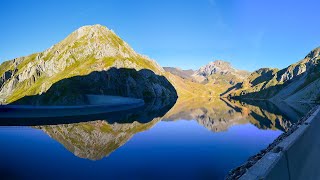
[[242, 169]]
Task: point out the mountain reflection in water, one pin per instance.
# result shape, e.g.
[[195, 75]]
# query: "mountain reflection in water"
[[165, 139], [219, 114], [97, 139]]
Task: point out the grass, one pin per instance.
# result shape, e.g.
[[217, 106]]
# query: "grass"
[[26, 61], [48, 56], [87, 127], [106, 128], [79, 67], [5, 66], [144, 63]]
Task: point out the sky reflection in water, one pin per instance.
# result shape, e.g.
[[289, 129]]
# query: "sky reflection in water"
[[196, 139]]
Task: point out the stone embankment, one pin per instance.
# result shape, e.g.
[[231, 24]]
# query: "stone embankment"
[[293, 155]]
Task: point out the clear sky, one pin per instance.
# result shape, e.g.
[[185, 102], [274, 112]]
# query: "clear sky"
[[185, 33]]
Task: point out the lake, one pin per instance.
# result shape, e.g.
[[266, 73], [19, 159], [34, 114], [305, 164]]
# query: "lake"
[[188, 139]]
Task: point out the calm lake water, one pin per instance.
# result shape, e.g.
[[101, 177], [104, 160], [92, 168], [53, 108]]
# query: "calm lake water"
[[192, 139]]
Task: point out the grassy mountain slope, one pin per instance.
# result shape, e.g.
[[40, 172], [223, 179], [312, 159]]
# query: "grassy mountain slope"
[[184, 74], [88, 49], [209, 81], [297, 82]]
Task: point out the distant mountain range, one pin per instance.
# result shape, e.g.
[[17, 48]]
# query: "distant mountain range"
[[94, 60], [299, 82], [209, 81], [216, 72]]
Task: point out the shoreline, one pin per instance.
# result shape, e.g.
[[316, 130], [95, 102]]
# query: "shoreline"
[[243, 170]]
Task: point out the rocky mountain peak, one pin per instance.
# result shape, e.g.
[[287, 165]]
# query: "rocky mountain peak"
[[219, 72], [265, 70], [212, 68], [91, 30], [314, 53], [96, 40], [86, 50], [94, 27], [220, 63], [215, 67]]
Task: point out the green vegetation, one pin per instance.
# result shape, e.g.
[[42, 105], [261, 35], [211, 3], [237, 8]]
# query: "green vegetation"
[[87, 127], [267, 83], [26, 61], [106, 128], [95, 48], [5, 66], [79, 51], [144, 63], [83, 67]]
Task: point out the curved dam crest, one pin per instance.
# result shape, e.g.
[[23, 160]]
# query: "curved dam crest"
[[97, 104]]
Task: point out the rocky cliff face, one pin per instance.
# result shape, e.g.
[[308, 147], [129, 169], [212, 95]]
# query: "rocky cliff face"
[[220, 71], [88, 49], [297, 82], [141, 84]]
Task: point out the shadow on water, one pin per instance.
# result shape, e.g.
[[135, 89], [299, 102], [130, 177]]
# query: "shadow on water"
[[154, 107], [103, 134], [94, 137]]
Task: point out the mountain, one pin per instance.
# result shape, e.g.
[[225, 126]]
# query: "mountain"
[[213, 114], [94, 60], [92, 54], [184, 74], [297, 82], [96, 139], [220, 72], [219, 115], [209, 81], [96, 136]]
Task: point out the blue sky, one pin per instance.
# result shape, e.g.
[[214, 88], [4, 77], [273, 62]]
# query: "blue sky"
[[185, 33]]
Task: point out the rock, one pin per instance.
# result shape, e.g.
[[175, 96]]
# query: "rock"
[[297, 82], [88, 49]]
